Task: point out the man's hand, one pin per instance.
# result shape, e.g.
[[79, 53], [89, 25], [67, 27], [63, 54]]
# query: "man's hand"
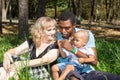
[[67, 45], [81, 60]]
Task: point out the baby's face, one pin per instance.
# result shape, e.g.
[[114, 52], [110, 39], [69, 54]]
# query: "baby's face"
[[78, 41]]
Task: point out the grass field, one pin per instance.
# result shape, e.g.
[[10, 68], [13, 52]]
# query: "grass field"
[[108, 52], [107, 44]]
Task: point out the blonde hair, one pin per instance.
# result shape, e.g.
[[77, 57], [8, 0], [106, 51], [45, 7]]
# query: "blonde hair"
[[84, 34], [41, 24]]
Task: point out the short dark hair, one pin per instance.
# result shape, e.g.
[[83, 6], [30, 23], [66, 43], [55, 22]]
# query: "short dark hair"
[[66, 15]]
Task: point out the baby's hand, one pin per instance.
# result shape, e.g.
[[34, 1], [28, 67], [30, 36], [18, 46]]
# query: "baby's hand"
[[81, 60]]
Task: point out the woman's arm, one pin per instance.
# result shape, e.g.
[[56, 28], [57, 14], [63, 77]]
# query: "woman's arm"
[[15, 51], [48, 58]]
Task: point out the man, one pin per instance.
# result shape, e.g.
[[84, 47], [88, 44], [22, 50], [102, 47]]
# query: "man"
[[67, 26]]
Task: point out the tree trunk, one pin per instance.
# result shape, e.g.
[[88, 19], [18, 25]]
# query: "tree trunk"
[[10, 12], [23, 18], [74, 7], [5, 4], [0, 16], [100, 19], [112, 11], [55, 7], [92, 11], [117, 12], [108, 5], [41, 8], [68, 5], [78, 8]]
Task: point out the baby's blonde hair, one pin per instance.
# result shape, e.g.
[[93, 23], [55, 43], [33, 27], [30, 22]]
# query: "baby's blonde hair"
[[41, 24], [84, 34]]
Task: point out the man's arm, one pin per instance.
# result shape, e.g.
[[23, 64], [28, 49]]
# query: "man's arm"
[[67, 45], [94, 63], [60, 49]]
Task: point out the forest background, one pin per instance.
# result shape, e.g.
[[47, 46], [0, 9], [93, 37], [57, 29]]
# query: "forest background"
[[102, 17]]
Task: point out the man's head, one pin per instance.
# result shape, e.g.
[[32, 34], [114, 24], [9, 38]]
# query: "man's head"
[[67, 23]]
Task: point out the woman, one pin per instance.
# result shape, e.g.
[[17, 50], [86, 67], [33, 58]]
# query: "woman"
[[42, 50]]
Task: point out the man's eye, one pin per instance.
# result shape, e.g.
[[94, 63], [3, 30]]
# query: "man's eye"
[[67, 28]]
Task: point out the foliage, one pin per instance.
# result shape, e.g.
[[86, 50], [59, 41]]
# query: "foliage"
[[7, 42], [107, 50], [108, 55]]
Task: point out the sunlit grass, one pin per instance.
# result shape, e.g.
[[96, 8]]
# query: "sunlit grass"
[[108, 54]]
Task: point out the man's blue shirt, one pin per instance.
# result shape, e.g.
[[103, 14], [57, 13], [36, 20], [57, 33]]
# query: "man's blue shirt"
[[90, 43]]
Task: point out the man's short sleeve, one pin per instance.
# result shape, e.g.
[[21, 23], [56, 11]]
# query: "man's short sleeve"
[[91, 41], [59, 36]]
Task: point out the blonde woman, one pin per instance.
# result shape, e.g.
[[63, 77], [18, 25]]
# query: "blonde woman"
[[42, 50]]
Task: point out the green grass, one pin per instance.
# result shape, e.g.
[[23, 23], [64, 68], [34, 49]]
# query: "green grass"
[[108, 53]]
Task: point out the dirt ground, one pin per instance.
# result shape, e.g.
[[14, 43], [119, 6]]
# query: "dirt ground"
[[102, 32]]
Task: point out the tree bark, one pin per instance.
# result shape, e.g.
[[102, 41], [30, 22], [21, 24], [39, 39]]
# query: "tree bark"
[[78, 11], [41, 8], [0, 16], [92, 11], [74, 7], [100, 19], [23, 18], [55, 7], [117, 12], [5, 4], [68, 5], [10, 12]]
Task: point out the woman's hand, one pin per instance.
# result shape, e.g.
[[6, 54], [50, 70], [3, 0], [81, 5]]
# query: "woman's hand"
[[6, 62]]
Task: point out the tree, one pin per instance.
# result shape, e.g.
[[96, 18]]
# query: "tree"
[[23, 18], [0, 16], [117, 11], [40, 8], [10, 11], [55, 7], [5, 5], [92, 11], [78, 11]]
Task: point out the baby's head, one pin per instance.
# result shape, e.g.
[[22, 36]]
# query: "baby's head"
[[80, 38]]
